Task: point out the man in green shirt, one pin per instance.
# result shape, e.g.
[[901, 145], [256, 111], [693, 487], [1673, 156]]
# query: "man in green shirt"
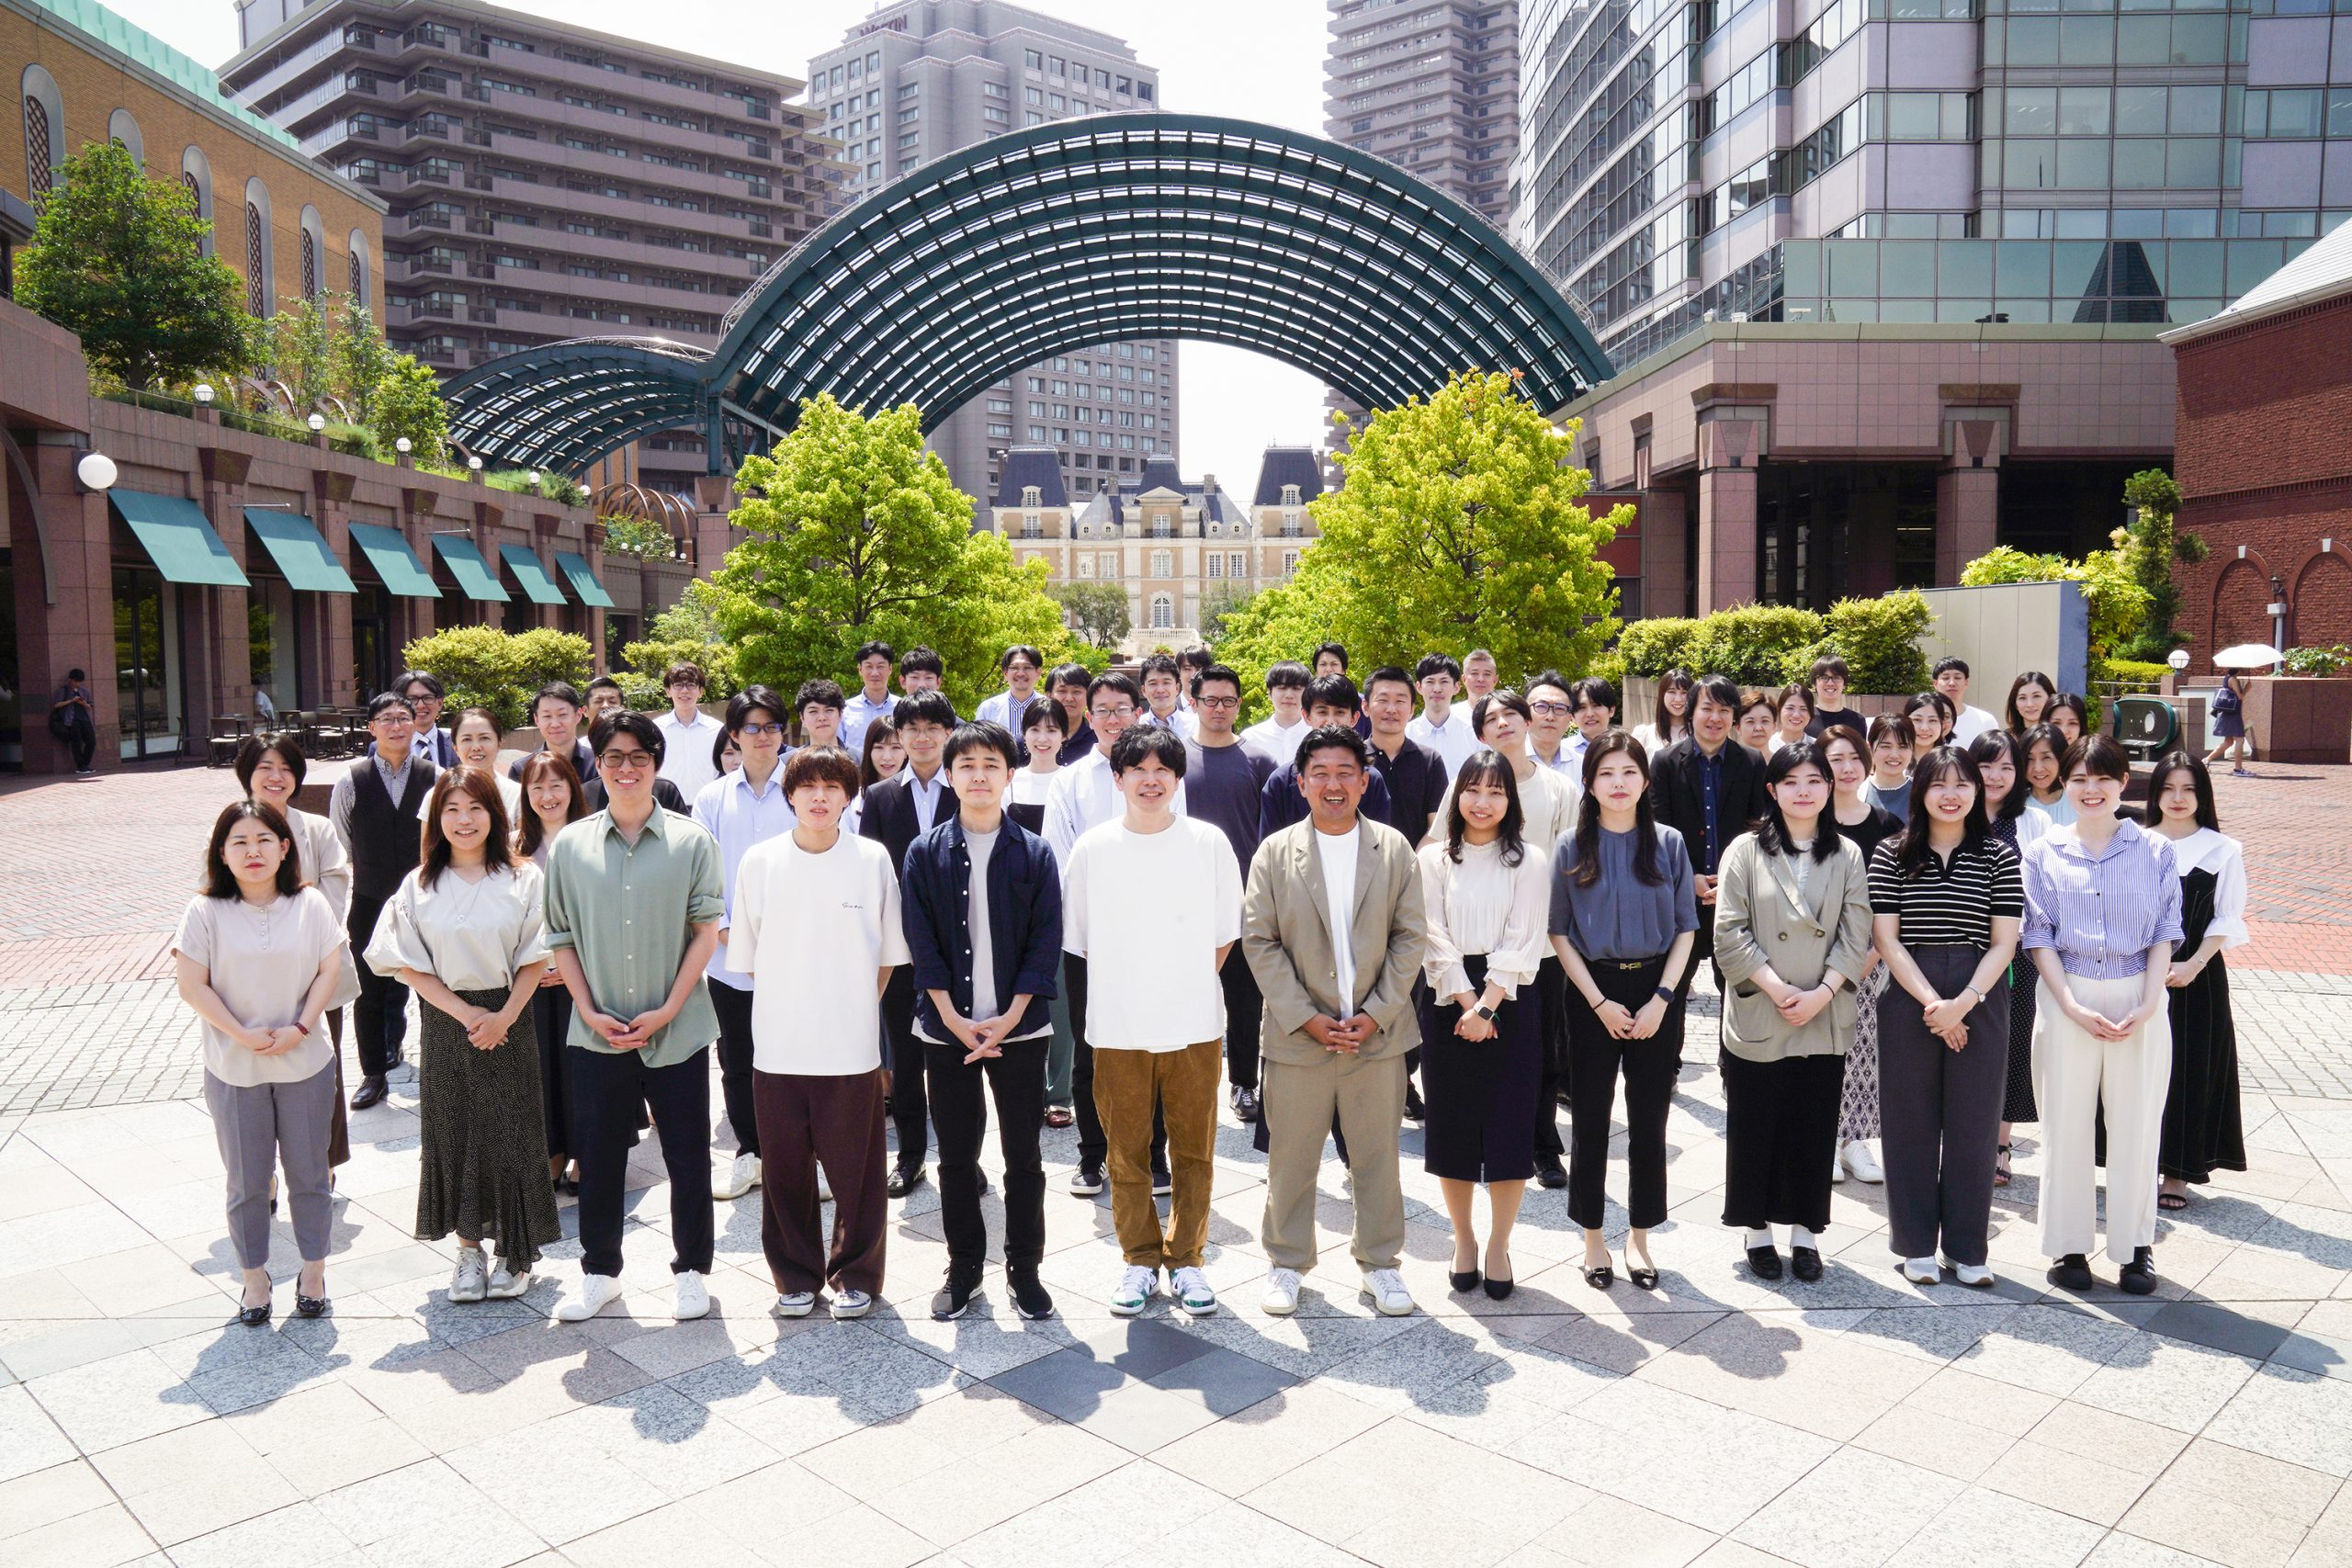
[[634, 897]]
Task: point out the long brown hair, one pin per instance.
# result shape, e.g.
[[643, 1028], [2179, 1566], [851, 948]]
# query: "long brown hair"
[[1587, 861], [533, 832], [498, 850]]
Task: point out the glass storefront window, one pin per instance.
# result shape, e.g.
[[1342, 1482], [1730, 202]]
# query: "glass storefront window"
[[146, 667], [273, 645]]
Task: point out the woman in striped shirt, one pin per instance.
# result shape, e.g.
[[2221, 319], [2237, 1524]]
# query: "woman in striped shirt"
[[2102, 917]]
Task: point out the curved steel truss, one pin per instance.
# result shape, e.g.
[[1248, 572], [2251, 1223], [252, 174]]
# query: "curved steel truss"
[[1052, 239]]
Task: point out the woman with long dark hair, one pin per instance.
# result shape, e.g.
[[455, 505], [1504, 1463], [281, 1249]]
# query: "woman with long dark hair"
[[1792, 928], [2010, 817], [881, 755], [1867, 825], [466, 932], [1482, 893], [1891, 753], [2044, 789], [1671, 720], [552, 801], [2203, 1130], [258, 954], [1946, 903], [1624, 919], [2070, 715], [1931, 716], [2030, 695]]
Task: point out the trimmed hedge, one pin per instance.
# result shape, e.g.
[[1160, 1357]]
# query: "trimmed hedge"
[[1771, 644], [1750, 643], [484, 667]]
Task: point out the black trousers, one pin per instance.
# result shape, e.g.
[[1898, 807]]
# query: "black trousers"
[[1094, 1147], [379, 1019], [1940, 1110], [959, 1105], [909, 1107], [1650, 1067], [607, 1090], [1245, 1012], [83, 736], [1552, 1020], [733, 1006], [1780, 1131]]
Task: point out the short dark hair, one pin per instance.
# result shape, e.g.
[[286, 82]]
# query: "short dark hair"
[[922, 658], [1323, 737], [219, 881], [635, 726], [603, 682], [1950, 662], [1142, 743], [1332, 691], [819, 693], [925, 707], [1387, 672], [815, 764], [1196, 657], [1338, 651], [1829, 664], [1217, 673], [2099, 753], [561, 691], [1592, 689], [1161, 664], [1044, 710], [431, 682], [1117, 680], [876, 649], [256, 748], [1500, 697], [1720, 690], [1436, 664], [755, 699], [1288, 674], [383, 700], [1004, 661], [1070, 674], [75, 674], [684, 671], [1560, 683], [1893, 727], [982, 735]]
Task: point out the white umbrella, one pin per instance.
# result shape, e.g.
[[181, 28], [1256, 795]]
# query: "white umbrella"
[[2248, 655]]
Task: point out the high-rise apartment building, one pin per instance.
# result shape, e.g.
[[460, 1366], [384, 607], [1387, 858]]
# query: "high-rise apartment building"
[[923, 78], [546, 182], [1923, 160]]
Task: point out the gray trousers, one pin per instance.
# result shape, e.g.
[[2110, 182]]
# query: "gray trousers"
[[259, 1128], [1940, 1113]]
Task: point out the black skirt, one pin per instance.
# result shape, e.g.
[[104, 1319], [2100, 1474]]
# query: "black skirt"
[[2202, 1128], [482, 1171], [551, 1023], [1481, 1093]]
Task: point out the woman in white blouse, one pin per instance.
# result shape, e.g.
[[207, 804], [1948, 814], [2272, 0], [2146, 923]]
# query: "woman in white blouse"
[[259, 956], [467, 933], [2203, 1131], [476, 740], [1484, 886]]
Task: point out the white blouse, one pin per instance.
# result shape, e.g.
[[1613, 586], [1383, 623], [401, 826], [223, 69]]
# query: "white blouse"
[[261, 960], [1548, 808], [2226, 858], [471, 936], [1484, 907]]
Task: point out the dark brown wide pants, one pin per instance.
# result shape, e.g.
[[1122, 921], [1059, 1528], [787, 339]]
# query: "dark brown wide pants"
[[837, 1123]]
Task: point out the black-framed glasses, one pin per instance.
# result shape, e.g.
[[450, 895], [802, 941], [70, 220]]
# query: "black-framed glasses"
[[1216, 702], [625, 758], [759, 730]]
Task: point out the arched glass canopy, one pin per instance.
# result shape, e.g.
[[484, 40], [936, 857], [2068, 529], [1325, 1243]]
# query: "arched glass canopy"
[[1052, 239]]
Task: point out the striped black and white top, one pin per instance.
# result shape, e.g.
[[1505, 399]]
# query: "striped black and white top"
[[1948, 902]]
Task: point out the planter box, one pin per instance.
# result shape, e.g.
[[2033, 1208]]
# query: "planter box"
[[2297, 719]]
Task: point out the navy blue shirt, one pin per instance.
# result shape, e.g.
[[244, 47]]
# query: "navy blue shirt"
[[1710, 786], [1024, 894]]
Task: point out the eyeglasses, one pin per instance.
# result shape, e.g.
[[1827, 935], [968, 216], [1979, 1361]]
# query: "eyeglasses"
[[759, 730], [1550, 710], [639, 760], [1216, 702], [1125, 710], [392, 717]]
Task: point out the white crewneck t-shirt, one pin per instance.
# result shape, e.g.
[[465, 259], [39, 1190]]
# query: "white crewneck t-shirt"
[[1336, 853]]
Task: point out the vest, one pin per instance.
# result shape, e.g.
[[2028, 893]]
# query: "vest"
[[385, 840]]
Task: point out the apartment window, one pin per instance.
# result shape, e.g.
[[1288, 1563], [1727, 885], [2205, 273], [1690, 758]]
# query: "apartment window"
[[1086, 566], [1037, 432], [999, 405], [1034, 94], [1126, 85], [1162, 562], [1036, 383], [1032, 59], [1216, 564], [1143, 91], [1031, 117], [1102, 80], [994, 114], [988, 90], [874, 62], [856, 69], [1057, 66], [1003, 432], [1234, 565], [1290, 563]]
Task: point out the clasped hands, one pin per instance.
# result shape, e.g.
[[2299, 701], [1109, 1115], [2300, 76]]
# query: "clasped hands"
[[1797, 1007], [1341, 1038]]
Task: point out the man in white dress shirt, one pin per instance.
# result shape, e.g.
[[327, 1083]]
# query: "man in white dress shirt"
[[688, 735], [1439, 726], [1552, 731], [1279, 736], [1968, 723], [872, 699], [1162, 685]]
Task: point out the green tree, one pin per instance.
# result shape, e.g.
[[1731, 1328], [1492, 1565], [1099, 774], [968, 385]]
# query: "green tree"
[[688, 631], [639, 537], [118, 259], [295, 346], [2150, 546], [1097, 610], [1458, 527], [408, 402], [1219, 604], [484, 667], [360, 359], [856, 532]]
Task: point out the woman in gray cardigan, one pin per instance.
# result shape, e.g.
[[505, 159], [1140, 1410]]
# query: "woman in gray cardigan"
[[1793, 926]]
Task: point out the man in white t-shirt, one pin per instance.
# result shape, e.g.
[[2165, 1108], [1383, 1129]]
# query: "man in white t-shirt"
[[1441, 726], [1153, 903], [1279, 736], [1968, 723], [815, 910], [688, 734]]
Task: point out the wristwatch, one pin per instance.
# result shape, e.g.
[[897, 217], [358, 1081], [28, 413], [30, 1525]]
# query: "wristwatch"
[[1666, 995], [1486, 1012]]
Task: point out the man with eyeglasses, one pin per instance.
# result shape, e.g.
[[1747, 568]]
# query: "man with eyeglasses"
[[1084, 796], [690, 734], [634, 897], [425, 694], [741, 810], [1226, 780], [1551, 715], [374, 808]]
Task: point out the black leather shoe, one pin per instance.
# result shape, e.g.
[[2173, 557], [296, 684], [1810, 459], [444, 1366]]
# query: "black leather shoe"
[[254, 1317], [2139, 1276], [904, 1179], [1030, 1298], [1465, 1281], [982, 1178], [1245, 1105], [2072, 1272], [1497, 1290], [1549, 1174], [1414, 1110], [1805, 1262], [369, 1092], [310, 1306], [1764, 1262]]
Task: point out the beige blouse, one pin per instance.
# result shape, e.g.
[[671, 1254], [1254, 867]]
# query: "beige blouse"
[[1484, 907], [471, 936], [326, 865], [260, 960]]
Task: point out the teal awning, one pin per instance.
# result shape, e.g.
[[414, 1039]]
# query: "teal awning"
[[294, 543], [582, 578], [395, 563], [532, 573], [179, 537], [465, 563]]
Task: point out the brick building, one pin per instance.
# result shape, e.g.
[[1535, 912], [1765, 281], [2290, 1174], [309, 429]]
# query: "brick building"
[[2263, 459]]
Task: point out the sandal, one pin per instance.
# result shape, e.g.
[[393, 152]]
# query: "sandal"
[[2001, 1165], [2172, 1203], [1060, 1116]]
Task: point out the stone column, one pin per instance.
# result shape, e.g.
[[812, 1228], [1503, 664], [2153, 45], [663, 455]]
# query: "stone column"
[[1729, 443], [335, 684], [414, 618], [220, 679], [714, 533], [77, 631], [1968, 489], [1666, 553]]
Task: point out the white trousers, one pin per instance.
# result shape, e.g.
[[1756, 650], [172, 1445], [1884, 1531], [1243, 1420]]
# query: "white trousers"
[[2073, 1074]]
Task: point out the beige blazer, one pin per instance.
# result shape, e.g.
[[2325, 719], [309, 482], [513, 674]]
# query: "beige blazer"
[[1762, 919], [1286, 938]]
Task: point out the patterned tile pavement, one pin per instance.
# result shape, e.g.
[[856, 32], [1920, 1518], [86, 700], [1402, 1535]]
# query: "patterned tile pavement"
[[1857, 1422]]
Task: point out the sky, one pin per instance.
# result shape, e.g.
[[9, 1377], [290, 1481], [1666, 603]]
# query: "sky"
[[1249, 59]]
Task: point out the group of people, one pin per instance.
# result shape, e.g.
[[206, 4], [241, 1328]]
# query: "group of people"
[[1925, 930]]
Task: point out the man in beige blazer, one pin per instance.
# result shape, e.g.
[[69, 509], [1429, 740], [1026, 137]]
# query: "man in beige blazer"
[[1332, 931]]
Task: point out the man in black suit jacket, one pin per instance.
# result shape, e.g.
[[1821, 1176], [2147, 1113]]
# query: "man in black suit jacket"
[[1708, 762], [897, 811]]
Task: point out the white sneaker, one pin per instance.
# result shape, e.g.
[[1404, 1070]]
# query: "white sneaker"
[[1386, 1289], [741, 1178], [1193, 1292], [852, 1303], [1921, 1270], [1972, 1274], [505, 1287], [1281, 1299], [1136, 1286], [1863, 1161], [795, 1304], [471, 1282], [597, 1291], [693, 1299]]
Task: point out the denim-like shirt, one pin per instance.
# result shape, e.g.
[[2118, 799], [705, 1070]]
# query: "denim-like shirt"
[[1024, 904], [1711, 787], [2101, 912]]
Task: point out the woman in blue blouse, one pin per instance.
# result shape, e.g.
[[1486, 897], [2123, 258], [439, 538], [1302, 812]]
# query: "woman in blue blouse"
[[2102, 917]]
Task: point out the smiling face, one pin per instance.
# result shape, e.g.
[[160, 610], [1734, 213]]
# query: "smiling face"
[[924, 741], [1484, 803], [425, 705], [393, 729], [874, 674], [627, 768], [2041, 767], [1948, 796], [1756, 726], [1159, 691], [1802, 795], [1711, 720], [1829, 689], [1021, 676], [2032, 703], [1926, 727], [2093, 794], [1045, 741], [1149, 787], [1847, 767], [1333, 782], [1389, 704], [888, 756], [465, 823], [558, 723], [1478, 674], [1113, 714], [550, 799], [759, 740], [1795, 715], [1890, 758], [2000, 776], [273, 782], [1594, 720], [476, 741], [1677, 700], [253, 853]]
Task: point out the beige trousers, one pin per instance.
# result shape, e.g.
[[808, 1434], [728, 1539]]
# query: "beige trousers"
[[2072, 1074], [1298, 1104]]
